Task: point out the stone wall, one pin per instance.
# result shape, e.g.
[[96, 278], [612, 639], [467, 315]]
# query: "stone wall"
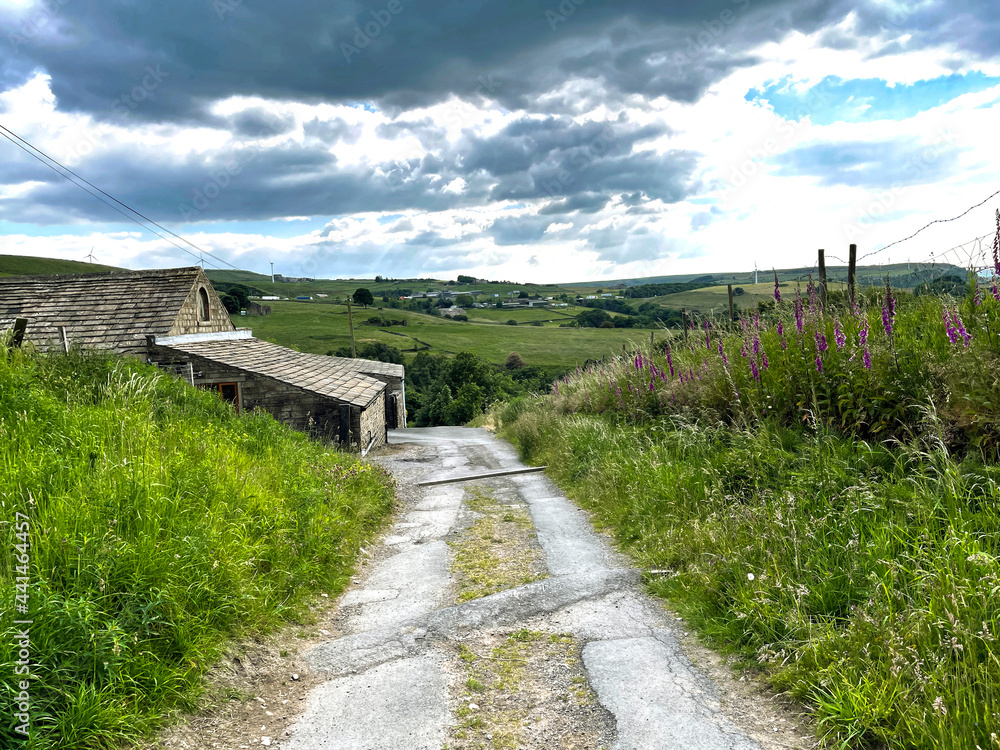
[[296, 407], [187, 318], [394, 385]]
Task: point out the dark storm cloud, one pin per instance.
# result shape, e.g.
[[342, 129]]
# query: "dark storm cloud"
[[398, 52]]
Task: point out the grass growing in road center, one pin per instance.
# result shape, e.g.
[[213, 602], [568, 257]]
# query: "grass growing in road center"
[[498, 551]]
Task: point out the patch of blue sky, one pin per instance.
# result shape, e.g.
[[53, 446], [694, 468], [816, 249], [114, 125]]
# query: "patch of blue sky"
[[389, 218], [865, 100]]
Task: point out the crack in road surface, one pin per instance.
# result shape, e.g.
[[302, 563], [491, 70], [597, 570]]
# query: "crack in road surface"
[[390, 679]]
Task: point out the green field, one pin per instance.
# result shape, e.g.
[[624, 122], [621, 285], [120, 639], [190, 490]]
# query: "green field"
[[716, 298], [319, 328], [26, 265]]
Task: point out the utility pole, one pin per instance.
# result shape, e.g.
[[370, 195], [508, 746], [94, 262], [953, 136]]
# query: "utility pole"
[[350, 323]]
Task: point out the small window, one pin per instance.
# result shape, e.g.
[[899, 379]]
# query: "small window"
[[204, 311], [228, 392]]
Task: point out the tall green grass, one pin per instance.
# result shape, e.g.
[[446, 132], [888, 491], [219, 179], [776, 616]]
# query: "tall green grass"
[[162, 523]]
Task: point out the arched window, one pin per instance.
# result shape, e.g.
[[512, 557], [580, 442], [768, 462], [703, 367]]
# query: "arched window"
[[204, 312]]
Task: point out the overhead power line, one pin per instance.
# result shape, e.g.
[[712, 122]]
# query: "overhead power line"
[[100, 195]]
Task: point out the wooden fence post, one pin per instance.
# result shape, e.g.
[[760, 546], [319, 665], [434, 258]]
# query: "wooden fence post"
[[684, 319], [732, 313], [852, 265], [822, 278], [63, 338], [350, 324]]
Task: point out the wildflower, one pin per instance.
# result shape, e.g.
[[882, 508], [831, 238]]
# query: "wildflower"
[[811, 289], [722, 353], [888, 309], [781, 334], [948, 327], [799, 314], [966, 336], [867, 359], [756, 345], [753, 369], [777, 294], [750, 576], [670, 361], [764, 364], [821, 345], [819, 364], [996, 247], [652, 384], [939, 706], [838, 334], [996, 292]]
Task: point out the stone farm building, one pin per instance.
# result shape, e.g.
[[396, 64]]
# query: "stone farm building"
[[174, 319]]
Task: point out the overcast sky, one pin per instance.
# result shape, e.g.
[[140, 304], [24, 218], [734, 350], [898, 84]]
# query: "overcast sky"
[[531, 140]]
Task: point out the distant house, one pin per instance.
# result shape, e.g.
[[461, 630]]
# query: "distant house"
[[174, 319], [453, 311]]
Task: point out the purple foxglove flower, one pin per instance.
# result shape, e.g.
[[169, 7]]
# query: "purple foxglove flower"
[[722, 353], [966, 336], [888, 309], [753, 369], [743, 350], [996, 247], [948, 327], [555, 388], [867, 358], [777, 294], [670, 363], [756, 345], [764, 364], [819, 364], [821, 345], [652, 384], [838, 334], [811, 288], [799, 315]]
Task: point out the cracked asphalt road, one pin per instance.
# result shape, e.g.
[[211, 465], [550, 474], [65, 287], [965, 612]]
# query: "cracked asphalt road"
[[389, 680]]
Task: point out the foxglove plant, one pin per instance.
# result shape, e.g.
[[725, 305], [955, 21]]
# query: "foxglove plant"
[[946, 316], [777, 293], [888, 309], [863, 342], [838, 334], [780, 328], [799, 313]]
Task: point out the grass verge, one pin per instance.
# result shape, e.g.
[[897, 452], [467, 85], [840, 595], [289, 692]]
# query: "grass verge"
[[160, 524]]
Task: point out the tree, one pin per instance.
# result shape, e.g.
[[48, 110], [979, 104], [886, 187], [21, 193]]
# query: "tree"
[[522, 295], [363, 297], [512, 322], [231, 304], [466, 279], [241, 294], [464, 300], [514, 361]]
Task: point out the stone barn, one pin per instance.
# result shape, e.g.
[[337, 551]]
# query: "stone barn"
[[174, 319]]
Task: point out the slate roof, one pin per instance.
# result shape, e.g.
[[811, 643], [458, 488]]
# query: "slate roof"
[[99, 310], [312, 372], [369, 367]]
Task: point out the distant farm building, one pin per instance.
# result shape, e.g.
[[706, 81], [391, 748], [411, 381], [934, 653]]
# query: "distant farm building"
[[174, 319]]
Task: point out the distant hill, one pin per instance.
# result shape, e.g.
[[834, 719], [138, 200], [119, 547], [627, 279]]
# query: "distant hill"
[[27, 265]]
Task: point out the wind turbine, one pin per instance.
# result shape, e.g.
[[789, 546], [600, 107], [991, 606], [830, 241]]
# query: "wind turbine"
[[755, 272], [90, 257]]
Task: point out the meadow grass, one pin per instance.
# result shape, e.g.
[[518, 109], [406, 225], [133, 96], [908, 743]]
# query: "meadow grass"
[[320, 328], [161, 524], [821, 498]]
